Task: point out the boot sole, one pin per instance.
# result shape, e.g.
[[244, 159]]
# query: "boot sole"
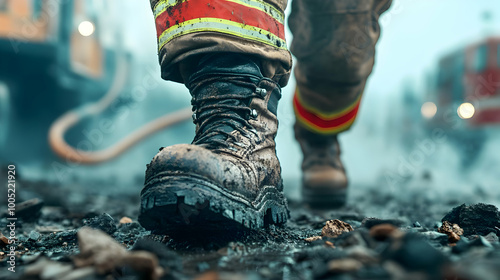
[[173, 202], [327, 199]]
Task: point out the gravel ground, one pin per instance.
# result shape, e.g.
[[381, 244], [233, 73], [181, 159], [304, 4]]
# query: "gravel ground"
[[378, 235]]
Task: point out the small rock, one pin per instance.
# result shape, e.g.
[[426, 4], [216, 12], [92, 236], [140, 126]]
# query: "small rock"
[[416, 224], [460, 247], [344, 265], [384, 231], [414, 253], [103, 222], [370, 222], [481, 242], [329, 244], [313, 238], [29, 210], [491, 237], [3, 240], [453, 231], [478, 219], [334, 228], [34, 236], [125, 220], [363, 254], [102, 252], [49, 229]]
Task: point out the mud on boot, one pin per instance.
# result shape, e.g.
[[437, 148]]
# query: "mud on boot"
[[230, 176]]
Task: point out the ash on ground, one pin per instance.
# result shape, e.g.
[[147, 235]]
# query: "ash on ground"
[[378, 235]]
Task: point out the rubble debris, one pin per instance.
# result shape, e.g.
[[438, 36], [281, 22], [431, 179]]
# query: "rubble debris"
[[125, 220], [370, 222], [99, 250], [29, 210], [415, 254], [479, 219], [382, 232], [329, 244], [3, 240], [344, 265], [491, 237], [313, 238], [481, 242], [49, 229], [334, 228], [44, 268], [103, 222], [34, 236], [453, 231]]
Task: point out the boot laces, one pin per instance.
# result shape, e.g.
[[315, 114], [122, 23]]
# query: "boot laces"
[[218, 115]]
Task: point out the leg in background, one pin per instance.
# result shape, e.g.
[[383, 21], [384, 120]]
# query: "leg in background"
[[334, 42]]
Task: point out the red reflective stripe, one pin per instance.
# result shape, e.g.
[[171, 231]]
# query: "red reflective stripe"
[[193, 9], [324, 123]]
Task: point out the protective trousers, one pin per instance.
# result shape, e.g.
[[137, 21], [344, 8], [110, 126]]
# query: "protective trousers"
[[334, 43]]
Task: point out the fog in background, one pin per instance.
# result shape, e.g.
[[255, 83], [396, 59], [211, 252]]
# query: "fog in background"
[[415, 34]]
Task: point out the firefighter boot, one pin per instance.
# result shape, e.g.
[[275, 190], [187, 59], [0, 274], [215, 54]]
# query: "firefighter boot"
[[324, 181], [230, 176]]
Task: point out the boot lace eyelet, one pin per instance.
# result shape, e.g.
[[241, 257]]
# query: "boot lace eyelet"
[[254, 114], [261, 91]]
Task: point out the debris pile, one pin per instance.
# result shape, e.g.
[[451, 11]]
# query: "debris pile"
[[104, 241]]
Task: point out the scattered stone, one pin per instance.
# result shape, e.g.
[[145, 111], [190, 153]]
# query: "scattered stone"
[[344, 265], [491, 237], [313, 238], [34, 236], [370, 222], [329, 244], [416, 224], [481, 242], [103, 222], [3, 240], [125, 220], [363, 254], [414, 253], [49, 229], [460, 247], [47, 269], [334, 228], [29, 210], [453, 231], [99, 250], [382, 232], [435, 237], [478, 219]]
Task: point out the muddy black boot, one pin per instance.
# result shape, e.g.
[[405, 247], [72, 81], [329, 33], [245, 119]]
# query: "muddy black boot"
[[324, 181], [229, 177]]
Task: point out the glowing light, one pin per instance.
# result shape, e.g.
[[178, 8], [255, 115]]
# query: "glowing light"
[[429, 110], [86, 28], [466, 111]]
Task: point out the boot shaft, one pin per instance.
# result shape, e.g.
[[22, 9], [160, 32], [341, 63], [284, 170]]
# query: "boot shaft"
[[234, 106]]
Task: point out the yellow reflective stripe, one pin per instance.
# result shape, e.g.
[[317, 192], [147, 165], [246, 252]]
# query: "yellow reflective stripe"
[[321, 130], [222, 26], [162, 5], [263, 7], [327, 116]]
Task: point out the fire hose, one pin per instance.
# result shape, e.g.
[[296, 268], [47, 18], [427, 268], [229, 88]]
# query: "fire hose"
[[59, 128]]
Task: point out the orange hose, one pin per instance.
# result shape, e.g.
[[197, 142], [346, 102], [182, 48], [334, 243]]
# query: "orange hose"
[[59, 128]]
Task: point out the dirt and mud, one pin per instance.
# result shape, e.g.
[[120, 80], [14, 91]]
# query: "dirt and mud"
[[70, 232]]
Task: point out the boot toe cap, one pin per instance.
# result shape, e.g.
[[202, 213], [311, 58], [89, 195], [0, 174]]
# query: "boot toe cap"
[[325, 178], [188, 159]]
